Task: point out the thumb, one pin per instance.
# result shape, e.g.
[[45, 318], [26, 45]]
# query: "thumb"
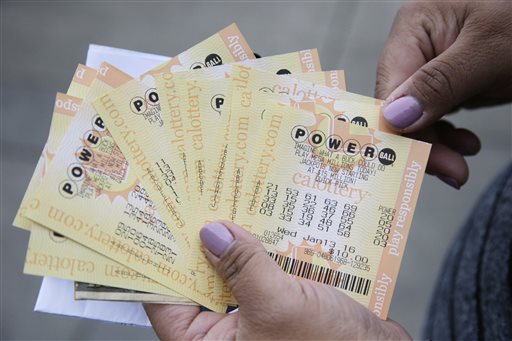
[[253, 277], [440, 86]]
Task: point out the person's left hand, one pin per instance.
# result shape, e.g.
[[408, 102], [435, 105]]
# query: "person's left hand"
[[272, 304]]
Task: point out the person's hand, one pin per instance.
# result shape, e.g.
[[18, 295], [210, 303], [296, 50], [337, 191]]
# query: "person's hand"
[[440, 56], [272, 305]]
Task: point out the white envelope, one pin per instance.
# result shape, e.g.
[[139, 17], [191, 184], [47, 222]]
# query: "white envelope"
[[133, 63], [56, 297]]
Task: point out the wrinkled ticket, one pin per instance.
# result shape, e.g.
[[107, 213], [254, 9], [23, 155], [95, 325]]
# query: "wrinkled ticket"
[[51, 254], [332, 201]]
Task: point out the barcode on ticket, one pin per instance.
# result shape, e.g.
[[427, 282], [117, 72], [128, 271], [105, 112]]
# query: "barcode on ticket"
[[317, 273]]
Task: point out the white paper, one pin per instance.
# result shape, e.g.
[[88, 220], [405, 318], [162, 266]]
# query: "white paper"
[[132, 62], [56, 296]]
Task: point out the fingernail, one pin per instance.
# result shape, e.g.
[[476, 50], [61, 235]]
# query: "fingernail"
[[216, 238], [403, 112], [449, 181]]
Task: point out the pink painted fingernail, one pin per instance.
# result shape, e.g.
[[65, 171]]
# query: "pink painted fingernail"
[[403, 112], [216, 238]]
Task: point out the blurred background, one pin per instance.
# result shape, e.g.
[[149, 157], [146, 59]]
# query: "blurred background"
[[43, 41]]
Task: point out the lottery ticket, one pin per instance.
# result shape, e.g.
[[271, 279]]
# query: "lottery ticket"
[[332, 201]]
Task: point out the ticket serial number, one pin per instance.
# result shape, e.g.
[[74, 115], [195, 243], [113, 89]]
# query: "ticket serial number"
[[347, 258]]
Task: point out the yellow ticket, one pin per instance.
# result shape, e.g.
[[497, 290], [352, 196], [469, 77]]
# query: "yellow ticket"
[[332, 201], [64, 111], [211, 102], [93, 197]]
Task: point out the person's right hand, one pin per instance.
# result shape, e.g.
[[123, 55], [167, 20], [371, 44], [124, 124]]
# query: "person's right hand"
[[440, 56]]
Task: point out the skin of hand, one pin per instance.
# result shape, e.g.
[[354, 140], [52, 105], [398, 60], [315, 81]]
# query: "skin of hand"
[[441, 56], [272, 305]]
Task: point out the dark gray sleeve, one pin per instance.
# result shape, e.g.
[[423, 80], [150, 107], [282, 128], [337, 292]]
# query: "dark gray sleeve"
[[473, 298]]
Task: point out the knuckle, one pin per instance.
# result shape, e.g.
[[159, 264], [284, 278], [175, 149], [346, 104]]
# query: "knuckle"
[[436, 82]]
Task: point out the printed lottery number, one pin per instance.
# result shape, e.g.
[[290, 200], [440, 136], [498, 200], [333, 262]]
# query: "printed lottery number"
[[286, 213], [308, 209], [382, 234], [346, 221], [269, 200], [328, 211]]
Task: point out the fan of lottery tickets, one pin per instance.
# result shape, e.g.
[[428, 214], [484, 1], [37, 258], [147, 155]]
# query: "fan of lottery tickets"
[[134, 167]]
